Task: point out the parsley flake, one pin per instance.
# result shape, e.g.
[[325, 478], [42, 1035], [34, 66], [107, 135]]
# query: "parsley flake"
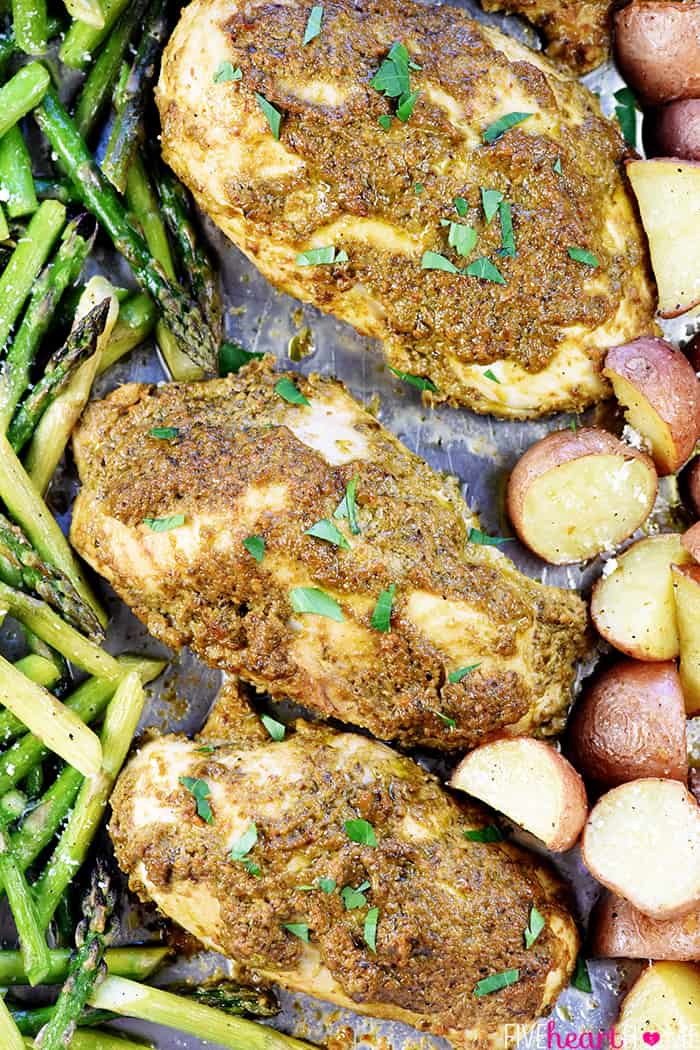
[[381, 617], [354, 898], [496, 982], [313, 600], [491, 833], [370, 929], [165, 524], [435, 261], [490, 199], [275, 729], [272, 115], [557, 166], [581, 978], [417, 381], [507, 236], [582, 255], [326, 530], [225, 72], [327, 885], [449, 722], [255, 545], [406, 106], [247, 842], [360, 831], [327, 256], [313, 26], [392, 79], [206, 749], [573, 425], [233, 357], [199, 789], [385, 121], [534, 927], [477, 536], [418, 188], [164, 433], [626, 113], [492, 376], [299, 929], [503, 124], [347, 508], [485, 270], [462, 238], [457, 676], [289, 391], [461, 206]]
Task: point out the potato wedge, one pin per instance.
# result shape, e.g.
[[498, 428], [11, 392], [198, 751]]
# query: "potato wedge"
[[620, 931], [529, 782], [668, 194], [630, 723], [642, 841], [657, 47], [686, 591], [665, 1002], [674, 130], [691, 541], [575, 494], [691, 482], [660, 393], [633, 607]]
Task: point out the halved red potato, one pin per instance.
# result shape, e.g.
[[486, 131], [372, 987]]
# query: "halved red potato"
[[686, 591], [674, 130], [691, 486], [663, 1008], [630, 723], [660, 393], [529, 782], [577, 493], [691, 541], [692, 352], [657, 47], [620, 931], [668, 194], [642, 841], [633, 606]]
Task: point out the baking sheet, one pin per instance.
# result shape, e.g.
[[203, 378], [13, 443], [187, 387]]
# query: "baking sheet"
[[480, 451]]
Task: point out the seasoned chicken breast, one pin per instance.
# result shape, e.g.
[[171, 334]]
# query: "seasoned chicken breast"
[[333, 866], [576, 32], [219, 513], [342, 209]]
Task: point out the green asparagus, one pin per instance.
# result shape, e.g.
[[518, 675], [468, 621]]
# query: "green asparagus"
[[4, 228], [180, 313], [56, 190], [21, 94], [30, 23], [10, 1036], [27, 259], [16, 175], [35, 952], [137, 963], [97, 1039], [137, 318], [89, 11], [31, 1021], [82, 39]]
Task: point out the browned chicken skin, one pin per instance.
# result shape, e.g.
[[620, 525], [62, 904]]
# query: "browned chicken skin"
[[245, 462], [576, 32]]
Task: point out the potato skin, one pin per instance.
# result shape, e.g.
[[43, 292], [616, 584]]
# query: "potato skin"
[[620, 931], [692, 486], [630, 723], [674, 130], [691, 541], [657, 48], [665, 378]]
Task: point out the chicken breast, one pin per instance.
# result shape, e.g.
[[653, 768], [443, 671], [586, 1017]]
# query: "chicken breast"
[[333, 866], [214, 510], [577, 33], [515, 325]]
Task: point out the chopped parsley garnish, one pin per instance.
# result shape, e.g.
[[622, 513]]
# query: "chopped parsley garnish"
[[272, 115], [232, 357], [247, 842], [457, 676], [490, 199], [313, 26], [165, 524], [581, 978], [418, 381], [327, 885], [299, 929], [393, 80], [326, 530], [462, 238], [626, 113], [354, 898], [582, 255], [449, 722], [461, 206], [385, 121], [288, 391], [406, 106], [485, 270], [534, 927], [327, 256], [225, 72], [347, 508], [381, 617], [370, 929], [206, 749], [313, 600], [477, 536], [504, 123], [496, 981], [573, 425], [507, 236], [164, 433], [491, 375], [275, 729], [435, 261], [199, 789], [255, 545], [557, 166], [490, 833], [360, 831], [418, 188]]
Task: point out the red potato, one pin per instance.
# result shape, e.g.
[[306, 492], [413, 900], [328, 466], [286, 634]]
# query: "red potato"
[[660, 393], [630, 723], [657, 48], [692, 352], [694, 788], [530, 783], [620, 931], [642, 841], [633, 606], [691, 479], [674, 130], [686, 591], [576, 494], [663, 1007], [691, 541], [668, 194]]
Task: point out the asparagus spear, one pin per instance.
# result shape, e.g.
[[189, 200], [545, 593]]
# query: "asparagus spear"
[[12, 805], [30, 22], [9, 45], [87, 1039], [127, 131], [16, 174], [181, 315], [10, 1035], [34, 782], [21, 94], [83, 38], [89, 11], [137, 963], [4, 228], [137, 318], [22, 567], [53, 281], [231, 997], [35, 952], [30, 1022], [40, 670], [26, 261], [80, 345], [56, 190]]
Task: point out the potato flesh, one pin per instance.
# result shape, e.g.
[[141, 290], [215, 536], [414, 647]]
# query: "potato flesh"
[[644, 418], [617, 495], [668, 193], [633, 608], [687, 596], [665, 999]]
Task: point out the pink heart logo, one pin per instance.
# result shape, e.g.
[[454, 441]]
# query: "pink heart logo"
[[651, 1038]]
